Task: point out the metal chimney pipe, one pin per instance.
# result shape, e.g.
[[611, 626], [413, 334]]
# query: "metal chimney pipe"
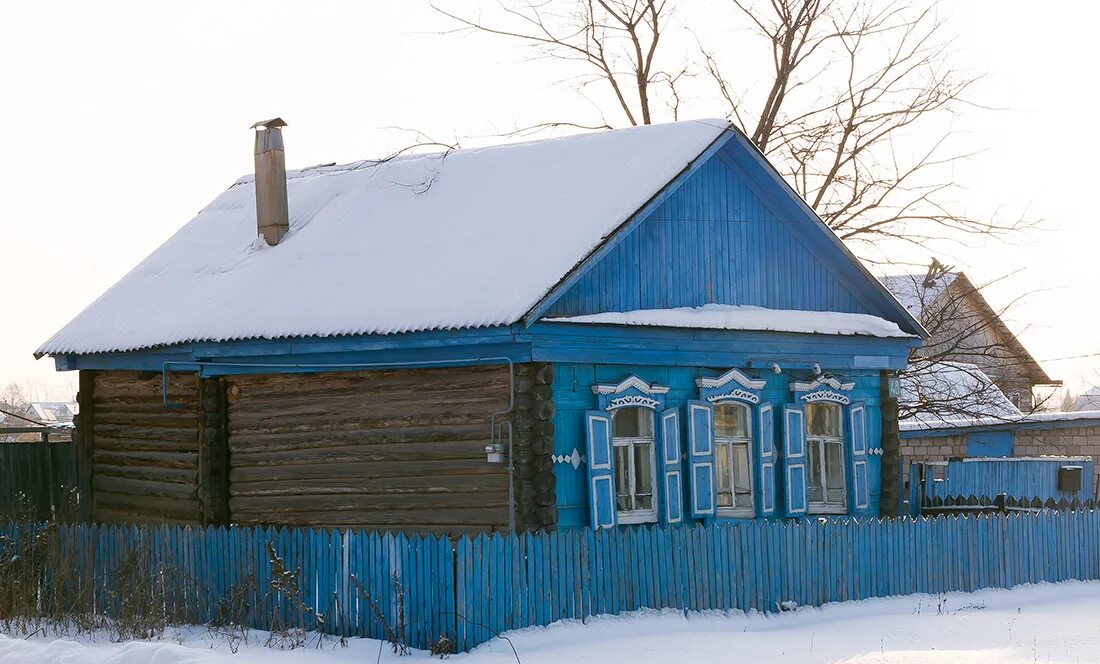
[[272, 215]]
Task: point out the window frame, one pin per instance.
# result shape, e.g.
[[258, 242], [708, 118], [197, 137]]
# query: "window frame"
[[645, 515], [636, 392], [736, 511], [824, 506]]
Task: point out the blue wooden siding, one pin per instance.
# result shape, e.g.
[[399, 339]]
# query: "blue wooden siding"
[[715, 240], [573, 397]]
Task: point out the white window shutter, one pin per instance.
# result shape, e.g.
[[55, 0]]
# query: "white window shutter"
[[601, 469], [765, 460], [861, 490], [701, 458], [794, 460], [672, 511]]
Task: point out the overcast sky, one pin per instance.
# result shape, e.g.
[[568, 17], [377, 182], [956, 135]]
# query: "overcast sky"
[[120, 120]]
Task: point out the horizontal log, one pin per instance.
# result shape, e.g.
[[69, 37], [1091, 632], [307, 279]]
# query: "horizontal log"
[[132, 471], [173, 418], [186, 435], [368, 403], [144, 487], [181, 460], [149, 444], [244, 441], [440, 451], [355, 514], [336, 421], [109, 515], [470, 467], [412, 381], [373, 485], [370, 502], [149, 506]]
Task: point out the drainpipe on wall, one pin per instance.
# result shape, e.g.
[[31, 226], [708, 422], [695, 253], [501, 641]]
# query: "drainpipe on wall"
[[890, 491]]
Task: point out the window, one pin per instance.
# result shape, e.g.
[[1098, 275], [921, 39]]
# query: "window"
[[732, 452], [825, 443], [635, 472]]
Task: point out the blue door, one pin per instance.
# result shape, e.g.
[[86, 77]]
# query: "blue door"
[[990, 443]]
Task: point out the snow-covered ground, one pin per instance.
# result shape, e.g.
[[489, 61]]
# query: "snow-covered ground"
[[1036, 624]]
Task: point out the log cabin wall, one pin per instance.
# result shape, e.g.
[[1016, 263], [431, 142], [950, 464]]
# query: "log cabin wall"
[[387, 450], [144, 457]]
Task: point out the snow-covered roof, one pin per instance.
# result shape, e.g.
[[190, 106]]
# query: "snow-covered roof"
[[743, 317], [914, 293], [951, 390], [469, 238], [49, 412], [1089, 400], [967, 422]]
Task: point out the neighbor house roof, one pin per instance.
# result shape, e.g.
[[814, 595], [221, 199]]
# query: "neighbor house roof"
[[1089, 400], [460, 239], [912, 291], [50, 412], [956, 388]]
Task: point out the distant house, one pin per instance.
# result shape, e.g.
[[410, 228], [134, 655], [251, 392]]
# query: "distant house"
[[1089, 400], [628, 327], [965, 329], [51, 412]]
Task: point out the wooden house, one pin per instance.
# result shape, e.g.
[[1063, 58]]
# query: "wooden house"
[[964, 328], [635, 326]]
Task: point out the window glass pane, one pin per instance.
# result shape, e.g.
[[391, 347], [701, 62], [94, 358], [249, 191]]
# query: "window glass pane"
[[722, 474], [731, 421], [644, 474], [823, 419], [622, 478], [834, 472], [632, 423], [741, 482], [816, 491]]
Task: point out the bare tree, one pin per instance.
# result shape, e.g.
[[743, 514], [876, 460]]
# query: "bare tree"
[[13, 397], [850, 82]]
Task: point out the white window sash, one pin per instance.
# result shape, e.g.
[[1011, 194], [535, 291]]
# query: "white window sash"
[[635, 515], [824, 506], [728, 443]]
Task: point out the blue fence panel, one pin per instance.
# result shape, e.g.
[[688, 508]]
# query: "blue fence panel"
[[356, 583]]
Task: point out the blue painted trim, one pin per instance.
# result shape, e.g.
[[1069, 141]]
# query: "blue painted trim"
[[616, 237]]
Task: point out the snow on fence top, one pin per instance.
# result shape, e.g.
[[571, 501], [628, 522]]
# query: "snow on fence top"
[[469, 238], [744, 317]]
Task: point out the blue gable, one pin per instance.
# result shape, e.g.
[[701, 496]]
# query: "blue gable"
[[729, 231]]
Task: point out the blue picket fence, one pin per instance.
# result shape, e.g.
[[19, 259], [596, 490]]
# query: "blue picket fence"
[[474, 588], [1020, 479]]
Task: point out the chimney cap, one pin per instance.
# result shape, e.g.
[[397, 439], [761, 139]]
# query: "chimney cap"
[[273, 123]]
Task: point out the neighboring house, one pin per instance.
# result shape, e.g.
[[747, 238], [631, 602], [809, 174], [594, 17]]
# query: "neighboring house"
[[1090, 400], [635, 326], [51, 412], [965, 329], [959, 386]]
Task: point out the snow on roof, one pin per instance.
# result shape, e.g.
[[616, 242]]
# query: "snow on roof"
[[964, 422], [52, 411], [1089, 400], [469, 238], [913, 293], [953, 389], [743, 317]]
